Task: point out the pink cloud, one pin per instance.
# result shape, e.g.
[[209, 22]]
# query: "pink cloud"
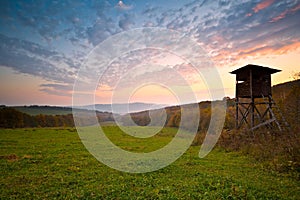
[[286, 12], [227, 57], [263, 5]]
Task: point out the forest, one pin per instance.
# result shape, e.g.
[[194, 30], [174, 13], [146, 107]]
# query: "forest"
[[13, 118]]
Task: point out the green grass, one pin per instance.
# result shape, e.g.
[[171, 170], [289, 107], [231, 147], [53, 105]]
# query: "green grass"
[[54, 164], [134, 144]]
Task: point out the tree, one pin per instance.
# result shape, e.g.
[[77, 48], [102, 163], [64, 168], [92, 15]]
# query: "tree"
[[11, 118]]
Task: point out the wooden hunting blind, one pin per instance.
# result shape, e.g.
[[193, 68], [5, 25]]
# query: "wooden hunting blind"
[[254, 101]]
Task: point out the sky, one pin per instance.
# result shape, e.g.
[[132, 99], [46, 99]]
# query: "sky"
[[44, 45]]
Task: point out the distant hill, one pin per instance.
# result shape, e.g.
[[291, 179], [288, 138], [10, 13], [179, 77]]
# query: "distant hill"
[[44, 110], [117, 108], [13, 118], [283, 90], [287, 97], [123, 108], [173, 115]]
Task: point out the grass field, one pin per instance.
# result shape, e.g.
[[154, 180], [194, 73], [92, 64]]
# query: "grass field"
[[54, 164]]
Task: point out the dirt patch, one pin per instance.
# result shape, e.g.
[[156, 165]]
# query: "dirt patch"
[[27, 156], [11, 157]]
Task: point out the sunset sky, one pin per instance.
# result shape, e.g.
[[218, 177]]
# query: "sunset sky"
[[44, 43]]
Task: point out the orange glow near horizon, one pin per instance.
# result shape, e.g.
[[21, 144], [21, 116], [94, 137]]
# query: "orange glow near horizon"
[[26, 88], [153, 94]]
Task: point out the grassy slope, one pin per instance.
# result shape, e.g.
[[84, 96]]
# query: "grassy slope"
[[283, 90], [53, 163]]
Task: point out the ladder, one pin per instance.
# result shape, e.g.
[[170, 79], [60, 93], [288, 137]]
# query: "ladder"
[[276, 115]]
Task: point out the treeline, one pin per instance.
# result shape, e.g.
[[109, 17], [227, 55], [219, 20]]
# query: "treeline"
[[11, 118], [173, 116]]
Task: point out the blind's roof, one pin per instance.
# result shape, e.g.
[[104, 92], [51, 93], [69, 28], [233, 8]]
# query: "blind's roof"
[[255, 68]]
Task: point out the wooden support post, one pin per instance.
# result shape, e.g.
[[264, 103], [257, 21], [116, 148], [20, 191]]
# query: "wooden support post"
[[252, 100], [270, 106], [237, 113], [236, 105]]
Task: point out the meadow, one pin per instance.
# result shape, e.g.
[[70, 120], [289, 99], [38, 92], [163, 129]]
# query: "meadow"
[[52, 163]]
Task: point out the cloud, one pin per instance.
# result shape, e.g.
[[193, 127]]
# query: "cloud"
[[228, 34], [30, 58], [150, 10], [36, 17], [102, 29], [61, 87], [223, 3], [123, 6], [55, 92], [147, 66], [53, 21], [57, 89], [126, 22], [285, 13], [228, 30], [263, 5]]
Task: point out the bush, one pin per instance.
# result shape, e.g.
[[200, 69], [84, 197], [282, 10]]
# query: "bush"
[[279, 151]]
